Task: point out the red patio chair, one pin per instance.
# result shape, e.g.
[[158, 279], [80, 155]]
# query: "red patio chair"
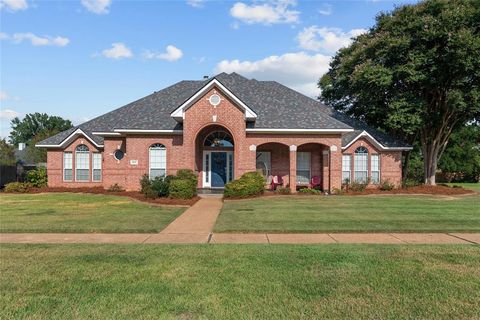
[[276, 181], [315, 182]]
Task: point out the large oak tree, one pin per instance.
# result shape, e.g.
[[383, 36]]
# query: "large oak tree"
[[415, 74]]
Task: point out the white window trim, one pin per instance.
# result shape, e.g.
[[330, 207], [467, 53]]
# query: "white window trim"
[[150, 163], [379, 168], [89, 165], [101, 167], [367, 170], [69, 139], [375, 143], [63, 171], [309, 169], [349, 167]]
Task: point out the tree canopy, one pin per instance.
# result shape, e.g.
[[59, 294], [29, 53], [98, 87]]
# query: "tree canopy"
[[7, 153], [415, 74], [36, 123]]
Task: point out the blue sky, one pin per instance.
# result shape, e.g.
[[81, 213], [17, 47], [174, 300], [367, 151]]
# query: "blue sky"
[[81, 58]]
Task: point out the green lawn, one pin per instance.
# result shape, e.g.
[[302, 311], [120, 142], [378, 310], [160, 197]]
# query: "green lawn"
[[471, 186], [239, 282], [352, 214], [69, 212]]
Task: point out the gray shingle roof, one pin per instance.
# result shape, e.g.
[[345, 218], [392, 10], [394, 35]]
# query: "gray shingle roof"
[[276, 106]]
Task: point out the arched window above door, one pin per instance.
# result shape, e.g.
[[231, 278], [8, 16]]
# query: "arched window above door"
[[219, 139]]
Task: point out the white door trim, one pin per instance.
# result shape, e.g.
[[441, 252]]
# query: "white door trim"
[[207, 174]]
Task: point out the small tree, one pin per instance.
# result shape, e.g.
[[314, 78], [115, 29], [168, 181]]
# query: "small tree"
[[7, 153], [415, 74]]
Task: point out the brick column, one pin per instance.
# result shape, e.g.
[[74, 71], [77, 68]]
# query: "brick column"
[[326, 170], [335, 168], [293, 168]]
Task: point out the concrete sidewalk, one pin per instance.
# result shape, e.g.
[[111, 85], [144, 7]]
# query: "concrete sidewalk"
[[265, 238]]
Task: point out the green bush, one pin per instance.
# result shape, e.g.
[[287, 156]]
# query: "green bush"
[[181, 189], [160, 186], [386, 185], [283, 190], [21, 187], [357, 186], [409, 183], [190, 176], [37, 177], [249, 184], [309, 191], [115, 188]]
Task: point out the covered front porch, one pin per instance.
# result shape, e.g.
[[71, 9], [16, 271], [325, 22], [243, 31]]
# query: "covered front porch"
[[292, 166]]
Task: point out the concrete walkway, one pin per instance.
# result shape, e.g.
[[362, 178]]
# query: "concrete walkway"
[[266, 238]]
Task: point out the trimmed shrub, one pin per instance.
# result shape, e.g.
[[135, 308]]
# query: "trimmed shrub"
[[386, 185], [357, 186], [21, 187], [283, 190], [190, 176], [160, 186], [249, 184], [181, 189], [309, 191], [115, 188], [37, 177], [409, 183]]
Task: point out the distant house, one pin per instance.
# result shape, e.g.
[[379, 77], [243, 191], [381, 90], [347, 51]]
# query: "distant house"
[[223, 127]]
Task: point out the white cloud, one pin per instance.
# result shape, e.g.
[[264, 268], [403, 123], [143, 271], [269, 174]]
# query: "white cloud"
[[172, 54], [300, 71], [14, 5], [267, 13], [3, 36], [3, 95], [118, 51], [196, 3], [326, 9], [37, 40], [97, 6], [8, 114], [326, 40]]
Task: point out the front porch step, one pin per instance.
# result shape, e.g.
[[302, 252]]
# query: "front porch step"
[[209, 191]]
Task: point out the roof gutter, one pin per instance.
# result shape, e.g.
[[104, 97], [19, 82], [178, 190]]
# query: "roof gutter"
[[301, 131]]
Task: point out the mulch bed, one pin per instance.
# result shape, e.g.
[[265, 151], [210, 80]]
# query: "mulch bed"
[[422, 189], [131, 194]]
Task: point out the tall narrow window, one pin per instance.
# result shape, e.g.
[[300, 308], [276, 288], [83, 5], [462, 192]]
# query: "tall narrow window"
[[346, 168], [375, 168], [303, 167], [67, 166], [158, 160], [230, 166], [97, 167], [361, 165], [82, 163]]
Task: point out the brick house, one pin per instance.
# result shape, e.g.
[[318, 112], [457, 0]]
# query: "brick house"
[[221, 128]]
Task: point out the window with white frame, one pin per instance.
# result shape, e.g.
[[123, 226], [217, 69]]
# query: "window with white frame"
[[157, 160], [264, 165], [67, 166], [375, 168], [303, 167], [361, 165], [82, 163], [96, 166], [346, 168]]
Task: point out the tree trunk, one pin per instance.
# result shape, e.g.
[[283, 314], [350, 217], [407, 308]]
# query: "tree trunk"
[[405, 165]]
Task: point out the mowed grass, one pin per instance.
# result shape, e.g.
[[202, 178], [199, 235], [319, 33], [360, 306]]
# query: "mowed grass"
[[69, 212], [239, 282], [384, 213]]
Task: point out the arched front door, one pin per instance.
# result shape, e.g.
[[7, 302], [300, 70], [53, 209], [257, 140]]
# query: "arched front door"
[[217, 159]]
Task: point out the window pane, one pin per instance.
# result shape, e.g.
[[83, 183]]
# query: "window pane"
[[375, 168], [157, 173], [263, 165], [346, 176], [97, 174], [375, 177], [158, 160], [82, 174], [361, 176], [68, 174], [230, 167], [207, 166], [303, 160], [346, 167], [67, 166], [303, 176]]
